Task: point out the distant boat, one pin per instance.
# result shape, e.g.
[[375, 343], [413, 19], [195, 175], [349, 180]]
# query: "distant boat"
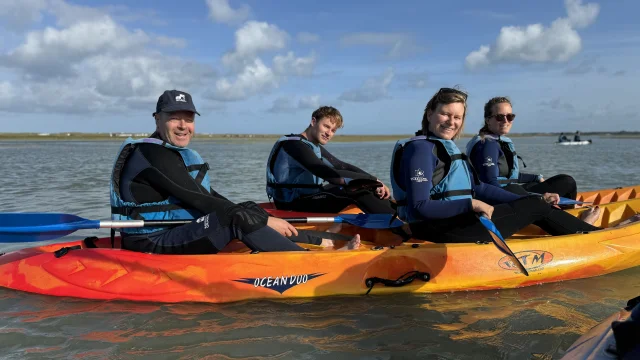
[[583, 142]]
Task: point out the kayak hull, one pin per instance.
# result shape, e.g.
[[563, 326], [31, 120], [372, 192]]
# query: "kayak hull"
[[235, 274], [569, 143]]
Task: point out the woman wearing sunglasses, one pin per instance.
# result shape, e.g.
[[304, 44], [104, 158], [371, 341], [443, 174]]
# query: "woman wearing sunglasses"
[[440, 196], [494, 156]]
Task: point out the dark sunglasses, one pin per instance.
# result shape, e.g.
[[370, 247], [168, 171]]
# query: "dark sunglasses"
[[452, 91], [503, 117]]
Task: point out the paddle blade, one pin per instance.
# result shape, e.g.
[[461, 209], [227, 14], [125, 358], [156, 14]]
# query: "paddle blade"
[[567, 201], [499, 242], [27, 227], [372, 221]]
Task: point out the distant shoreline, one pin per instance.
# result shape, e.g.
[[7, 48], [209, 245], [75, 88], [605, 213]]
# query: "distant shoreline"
[[269, 137]]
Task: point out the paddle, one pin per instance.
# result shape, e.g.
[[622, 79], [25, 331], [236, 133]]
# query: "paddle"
[[499, 242], [27, 227], [566, 201]]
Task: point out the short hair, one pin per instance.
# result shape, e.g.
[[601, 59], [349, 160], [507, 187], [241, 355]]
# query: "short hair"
[[328, 112]]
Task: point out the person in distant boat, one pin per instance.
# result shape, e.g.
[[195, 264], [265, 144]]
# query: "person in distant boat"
[[440, 196], [562, 138], [576, 137], [160, 178], [494, 157], [299, 164]]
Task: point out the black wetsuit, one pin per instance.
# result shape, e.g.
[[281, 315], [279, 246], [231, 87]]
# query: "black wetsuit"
[[165, 175], [335, 196]]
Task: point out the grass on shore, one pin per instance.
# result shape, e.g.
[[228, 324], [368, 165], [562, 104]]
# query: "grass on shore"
[[264, 137]]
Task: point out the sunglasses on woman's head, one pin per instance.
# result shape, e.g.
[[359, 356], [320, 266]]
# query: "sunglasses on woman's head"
[[503, 117], [452, 91]]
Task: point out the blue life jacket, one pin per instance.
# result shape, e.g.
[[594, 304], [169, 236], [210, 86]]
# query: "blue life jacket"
[[287, 179], [122, 206], [456, 183], [508, 166]]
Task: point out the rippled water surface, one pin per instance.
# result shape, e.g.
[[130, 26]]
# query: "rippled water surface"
[[538, 322]]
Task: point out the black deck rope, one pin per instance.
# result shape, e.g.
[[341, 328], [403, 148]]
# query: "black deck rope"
[[401, 281]]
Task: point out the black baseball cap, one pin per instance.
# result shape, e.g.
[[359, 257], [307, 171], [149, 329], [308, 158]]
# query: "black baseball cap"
[[175, 100]]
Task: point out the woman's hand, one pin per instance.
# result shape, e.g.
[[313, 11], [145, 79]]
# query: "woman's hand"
[[282, 226], [482, 208], [551, 198], [383, 191]]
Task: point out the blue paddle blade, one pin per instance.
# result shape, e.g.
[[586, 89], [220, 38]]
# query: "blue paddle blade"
[[27, 227], [567, 201], [371, 221], [498, 240]]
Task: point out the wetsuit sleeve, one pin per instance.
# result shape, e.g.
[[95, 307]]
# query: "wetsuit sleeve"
[[494, 195], [307, 158], [487, 169], [418, 155], [217, 195], [339, 164], [168, 173]]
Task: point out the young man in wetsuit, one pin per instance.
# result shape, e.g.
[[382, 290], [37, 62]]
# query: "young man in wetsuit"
[[299, 164], [160, 178]]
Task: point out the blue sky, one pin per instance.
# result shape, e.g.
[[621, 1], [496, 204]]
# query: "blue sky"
[[263, 66]]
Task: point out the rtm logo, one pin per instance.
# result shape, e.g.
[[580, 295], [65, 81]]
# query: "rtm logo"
[[531, 259]]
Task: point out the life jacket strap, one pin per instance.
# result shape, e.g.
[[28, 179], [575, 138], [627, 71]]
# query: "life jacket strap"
[[294, 186], [202, 171], [134, 213], [447, 194]]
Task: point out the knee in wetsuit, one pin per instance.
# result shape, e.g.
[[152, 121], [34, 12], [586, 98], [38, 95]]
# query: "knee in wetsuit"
[[246, 220]]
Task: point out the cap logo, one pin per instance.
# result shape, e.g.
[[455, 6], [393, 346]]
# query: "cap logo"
[[181, 97]]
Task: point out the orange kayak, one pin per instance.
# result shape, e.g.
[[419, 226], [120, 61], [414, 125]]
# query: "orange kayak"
[[382, 265], [606, 196]]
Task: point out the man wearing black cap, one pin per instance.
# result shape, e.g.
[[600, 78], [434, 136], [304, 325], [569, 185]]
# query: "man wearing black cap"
[[160, 178]]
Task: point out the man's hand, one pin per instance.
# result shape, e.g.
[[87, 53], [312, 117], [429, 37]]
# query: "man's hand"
[[282, 226]]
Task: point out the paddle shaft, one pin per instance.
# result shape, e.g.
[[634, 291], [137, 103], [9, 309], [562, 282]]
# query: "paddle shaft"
[[146, 223]]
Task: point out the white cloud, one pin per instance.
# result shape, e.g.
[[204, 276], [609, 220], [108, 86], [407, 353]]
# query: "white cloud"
[[537, 43], [307, 38], [287, 104], [252, 39], [93, 64], [221, 11], [282, 105], [291, 65], [372, 89], [17, 15], [52, 52], [255, 78], [398, 45], [309, 102]]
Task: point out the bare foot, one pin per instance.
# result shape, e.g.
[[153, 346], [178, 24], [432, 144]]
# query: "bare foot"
[[353, 244], [591, 215]]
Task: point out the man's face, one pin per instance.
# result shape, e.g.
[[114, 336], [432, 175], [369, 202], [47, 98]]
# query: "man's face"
[[176, 128]]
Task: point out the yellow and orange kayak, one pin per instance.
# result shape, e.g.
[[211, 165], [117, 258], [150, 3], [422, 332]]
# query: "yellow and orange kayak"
[[605, 196], [76, 269]]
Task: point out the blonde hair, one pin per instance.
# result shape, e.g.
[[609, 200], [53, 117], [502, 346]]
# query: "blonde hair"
[[328, 112], [445, 96]]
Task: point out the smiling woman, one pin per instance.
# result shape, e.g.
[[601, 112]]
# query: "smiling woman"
[[440, 195], [494, 156]]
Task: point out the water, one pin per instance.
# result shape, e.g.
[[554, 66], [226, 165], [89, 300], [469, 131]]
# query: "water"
[[538, 322]]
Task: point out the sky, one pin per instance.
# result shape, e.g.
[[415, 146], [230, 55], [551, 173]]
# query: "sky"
[[262, 67]]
